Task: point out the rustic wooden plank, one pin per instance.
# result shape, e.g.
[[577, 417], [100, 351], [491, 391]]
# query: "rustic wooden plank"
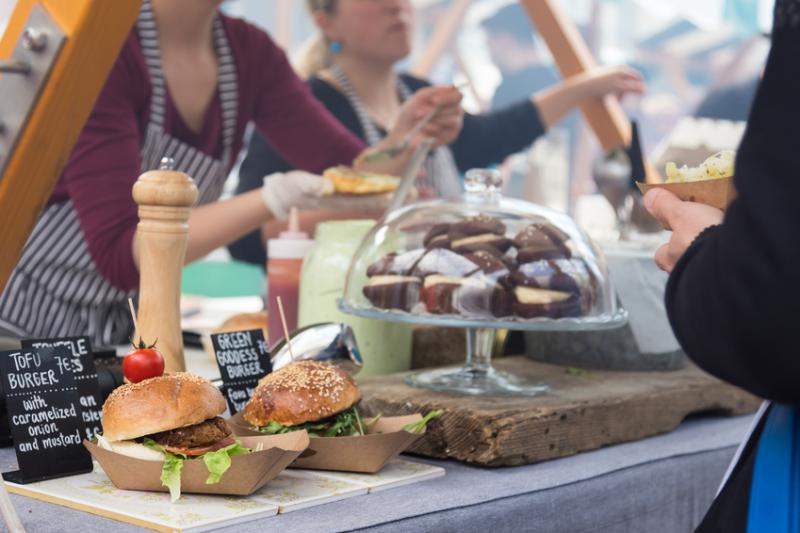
[[584, 411], [96, 30]]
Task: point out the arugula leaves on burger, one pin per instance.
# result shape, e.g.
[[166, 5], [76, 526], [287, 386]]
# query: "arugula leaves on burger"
[[317, 397]]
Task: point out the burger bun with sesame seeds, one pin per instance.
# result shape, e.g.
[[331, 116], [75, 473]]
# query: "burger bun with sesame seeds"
[[160, 404], [301, 393]]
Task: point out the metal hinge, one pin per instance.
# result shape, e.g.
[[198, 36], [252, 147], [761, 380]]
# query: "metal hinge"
[[23, 76]]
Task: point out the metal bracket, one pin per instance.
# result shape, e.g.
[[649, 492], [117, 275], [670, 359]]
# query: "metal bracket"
[[24, 75]]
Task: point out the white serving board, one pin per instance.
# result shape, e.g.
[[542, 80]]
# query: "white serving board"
[[396, 473], [293, 490]]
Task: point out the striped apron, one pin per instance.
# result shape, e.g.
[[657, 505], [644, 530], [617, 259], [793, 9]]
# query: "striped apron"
[[55, 289], [440, 175]]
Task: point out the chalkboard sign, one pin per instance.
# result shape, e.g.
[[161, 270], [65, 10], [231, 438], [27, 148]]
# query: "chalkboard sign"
[[44, 412], [85, 376], [243, 359]]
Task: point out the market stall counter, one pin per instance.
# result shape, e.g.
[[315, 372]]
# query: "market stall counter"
[[662, 483]]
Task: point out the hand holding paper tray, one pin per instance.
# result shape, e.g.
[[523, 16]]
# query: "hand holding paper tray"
[[718, 192], [710, 183]]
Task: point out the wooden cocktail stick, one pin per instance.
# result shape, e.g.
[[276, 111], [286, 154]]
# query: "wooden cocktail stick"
[[285, 328], [133, 314]]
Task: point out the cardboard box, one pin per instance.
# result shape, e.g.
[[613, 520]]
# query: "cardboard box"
[[717, 193], [366, 454], [247, 473]]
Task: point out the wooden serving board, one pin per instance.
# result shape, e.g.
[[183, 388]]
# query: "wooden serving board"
[[583, 411]]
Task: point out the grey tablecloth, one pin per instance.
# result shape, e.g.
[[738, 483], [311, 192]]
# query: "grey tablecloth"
[[660, 484]]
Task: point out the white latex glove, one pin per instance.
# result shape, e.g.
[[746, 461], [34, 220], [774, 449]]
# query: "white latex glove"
[[282, 191]]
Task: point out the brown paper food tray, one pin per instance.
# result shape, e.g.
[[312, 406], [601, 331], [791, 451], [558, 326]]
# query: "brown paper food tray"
[[247, 473], [366, 454], [717, 193]]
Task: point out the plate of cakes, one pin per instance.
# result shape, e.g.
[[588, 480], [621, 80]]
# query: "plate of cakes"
[[482, 263], [485, 261]]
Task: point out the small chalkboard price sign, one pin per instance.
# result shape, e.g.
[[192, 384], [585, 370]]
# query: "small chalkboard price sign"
[[243, 359], [85, 376], [44, 412]]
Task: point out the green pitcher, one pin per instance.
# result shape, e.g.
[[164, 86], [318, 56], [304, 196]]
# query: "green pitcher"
[[385, 346]]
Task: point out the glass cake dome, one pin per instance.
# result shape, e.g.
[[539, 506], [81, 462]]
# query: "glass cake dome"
[[483, 263]]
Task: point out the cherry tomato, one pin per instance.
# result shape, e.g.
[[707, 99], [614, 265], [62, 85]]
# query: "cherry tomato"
[[143, 362]]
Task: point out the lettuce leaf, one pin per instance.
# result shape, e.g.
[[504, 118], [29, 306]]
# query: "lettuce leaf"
[[171, 475], [171, 471], [345, 424], [218, 462]]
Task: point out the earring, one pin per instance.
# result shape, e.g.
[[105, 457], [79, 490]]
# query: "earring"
[[336, 47]]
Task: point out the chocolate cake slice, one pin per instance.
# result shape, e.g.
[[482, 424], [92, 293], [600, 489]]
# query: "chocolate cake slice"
[[554, 288], [393, 291], [479, 233], [437, 237], [444, 262], [395, 264], [471, 297], [541, 241]]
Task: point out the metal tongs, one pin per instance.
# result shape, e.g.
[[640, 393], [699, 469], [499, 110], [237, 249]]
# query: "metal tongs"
[[328, 342], [410, 175], [399, 148]]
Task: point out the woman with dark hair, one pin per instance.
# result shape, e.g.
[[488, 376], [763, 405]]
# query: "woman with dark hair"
[[186, 83], [733, 296], [351, 70]]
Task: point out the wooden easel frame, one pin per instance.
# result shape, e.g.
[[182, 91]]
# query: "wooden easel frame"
[[95, 31]]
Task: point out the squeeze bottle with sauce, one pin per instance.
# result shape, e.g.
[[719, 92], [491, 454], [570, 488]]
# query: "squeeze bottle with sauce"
[[284, 262]]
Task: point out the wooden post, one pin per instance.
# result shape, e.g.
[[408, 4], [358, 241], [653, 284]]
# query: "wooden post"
[[10, 516], [572, 57], [95, 30], [442, 38], [165, 198], [284, 30]]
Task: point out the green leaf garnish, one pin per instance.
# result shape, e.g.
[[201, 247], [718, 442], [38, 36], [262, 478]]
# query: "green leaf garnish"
[[218, 462], [420, 425], [345, 424], [171, 475]]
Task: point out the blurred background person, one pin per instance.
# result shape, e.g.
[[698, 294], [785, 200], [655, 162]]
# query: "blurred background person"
[[185, 85], [351, 68]]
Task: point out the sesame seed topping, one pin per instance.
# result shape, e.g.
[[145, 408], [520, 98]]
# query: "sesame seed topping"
[[120, 393]]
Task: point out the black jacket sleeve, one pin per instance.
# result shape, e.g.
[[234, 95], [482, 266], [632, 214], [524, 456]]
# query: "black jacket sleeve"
[[262, 160], [734, 297], [489, 138]]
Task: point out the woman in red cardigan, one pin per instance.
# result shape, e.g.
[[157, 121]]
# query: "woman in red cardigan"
[[185, 86]]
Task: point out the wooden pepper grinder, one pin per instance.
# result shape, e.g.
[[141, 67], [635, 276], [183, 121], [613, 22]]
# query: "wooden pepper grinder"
[[165, 197]]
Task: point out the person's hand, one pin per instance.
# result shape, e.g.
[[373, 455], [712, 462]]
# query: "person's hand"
[[282, 191], [357, 203], [442, 128], [618, 81], [686, 220], [445, 125]]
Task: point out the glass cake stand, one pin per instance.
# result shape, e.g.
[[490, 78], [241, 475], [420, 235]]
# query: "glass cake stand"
[[477, 375], [396, 264]]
